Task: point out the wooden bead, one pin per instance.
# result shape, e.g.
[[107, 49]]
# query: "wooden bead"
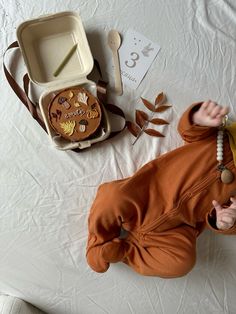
[[227, 176]]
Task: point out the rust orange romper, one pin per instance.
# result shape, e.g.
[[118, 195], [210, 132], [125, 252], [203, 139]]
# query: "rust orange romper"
[[164, 206]]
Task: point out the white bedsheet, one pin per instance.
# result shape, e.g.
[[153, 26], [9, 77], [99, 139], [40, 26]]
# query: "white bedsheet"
[[45, 194]]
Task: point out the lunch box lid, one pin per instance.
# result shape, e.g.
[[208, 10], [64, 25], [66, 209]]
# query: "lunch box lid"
[[47, 41]]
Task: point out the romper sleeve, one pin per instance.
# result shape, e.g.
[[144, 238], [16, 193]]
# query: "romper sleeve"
[[191, 132]]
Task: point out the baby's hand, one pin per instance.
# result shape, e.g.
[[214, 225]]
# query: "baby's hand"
[[225, 216], [210, 114]]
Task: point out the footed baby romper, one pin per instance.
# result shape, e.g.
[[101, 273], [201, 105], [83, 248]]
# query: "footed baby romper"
[[163, 207]]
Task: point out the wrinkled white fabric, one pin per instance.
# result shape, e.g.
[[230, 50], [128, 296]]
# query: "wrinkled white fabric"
[[13, 305], [46, 194]]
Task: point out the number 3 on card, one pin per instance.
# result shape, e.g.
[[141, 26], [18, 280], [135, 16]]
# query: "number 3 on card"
[[133, 64]]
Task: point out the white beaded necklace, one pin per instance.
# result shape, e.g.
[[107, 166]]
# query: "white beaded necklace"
[[226, 174]]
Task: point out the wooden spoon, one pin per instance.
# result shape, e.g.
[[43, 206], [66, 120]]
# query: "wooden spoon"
[[114, 42]]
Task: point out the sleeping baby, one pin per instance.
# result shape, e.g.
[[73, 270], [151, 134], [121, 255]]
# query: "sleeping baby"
[[166, 204]]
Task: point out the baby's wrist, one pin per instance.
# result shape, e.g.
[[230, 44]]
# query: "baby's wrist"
[[224, 225], [221, 226], [196, 119]]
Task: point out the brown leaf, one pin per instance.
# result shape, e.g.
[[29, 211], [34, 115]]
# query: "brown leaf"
[[159, 99], [162, 108], [141, 117], [159, 121], [133, 128], [148, 104], [153, 133]]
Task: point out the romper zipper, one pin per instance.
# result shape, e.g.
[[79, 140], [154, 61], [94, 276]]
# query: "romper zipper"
[[200, 187]]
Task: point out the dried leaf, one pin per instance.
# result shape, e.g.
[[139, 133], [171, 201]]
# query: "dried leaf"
[[159, 121], [162, 108], [141, 118], [133, 128], [159, 99], [148, 104], [153, 133]]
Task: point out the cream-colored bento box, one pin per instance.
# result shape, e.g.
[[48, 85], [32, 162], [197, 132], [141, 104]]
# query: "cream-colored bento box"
[[44, 43]]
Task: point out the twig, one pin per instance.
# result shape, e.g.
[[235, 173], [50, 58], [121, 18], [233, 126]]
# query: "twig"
[[143, 128]]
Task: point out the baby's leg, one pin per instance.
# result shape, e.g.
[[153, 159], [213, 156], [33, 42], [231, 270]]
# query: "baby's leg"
[[172, 254]]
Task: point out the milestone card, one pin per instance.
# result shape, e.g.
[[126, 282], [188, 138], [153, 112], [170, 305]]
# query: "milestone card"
[[136, 56]]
